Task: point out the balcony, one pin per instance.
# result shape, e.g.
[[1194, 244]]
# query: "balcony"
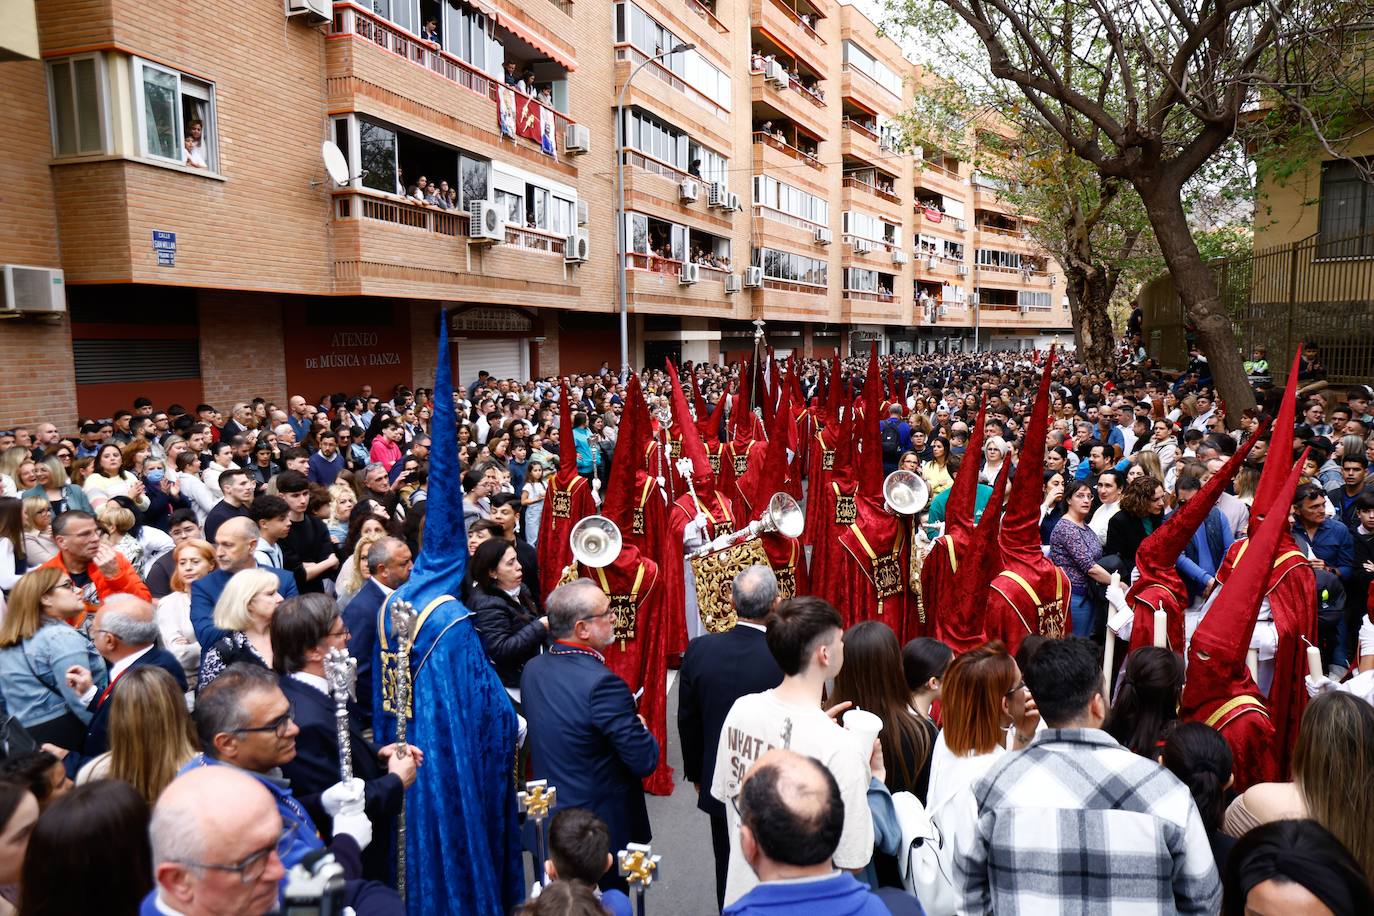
[[653, 183], [779, 19], [706, 13], [387, 245], [946, 313], [863, 195], [652, 286], [628, 57], [873, 308], [1016, 276], [792, 100], [379, 49], [782, 158], [863, 142], [938, 221], [939, 179], [868, 92], [784, 300]]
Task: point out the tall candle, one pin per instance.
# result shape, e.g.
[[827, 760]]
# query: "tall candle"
[[1161, 628], [1314, 661], [1252, 662], [1107, 656]]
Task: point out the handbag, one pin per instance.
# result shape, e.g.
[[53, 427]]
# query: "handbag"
[[15, 740], [924, 858]]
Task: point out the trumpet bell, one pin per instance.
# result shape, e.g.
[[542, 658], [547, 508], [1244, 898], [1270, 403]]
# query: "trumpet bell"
[[906, 493], [595, 541], [784, 516]]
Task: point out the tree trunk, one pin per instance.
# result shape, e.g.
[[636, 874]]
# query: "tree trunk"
[[1089, 295], [1197, 290]]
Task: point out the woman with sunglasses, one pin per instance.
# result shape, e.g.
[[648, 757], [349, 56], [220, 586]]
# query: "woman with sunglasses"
[[37, 646]]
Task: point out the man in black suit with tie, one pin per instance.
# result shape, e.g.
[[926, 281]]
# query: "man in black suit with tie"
[[389, 563], [124, 632], [718, 669], [585, 736], [303, 631]]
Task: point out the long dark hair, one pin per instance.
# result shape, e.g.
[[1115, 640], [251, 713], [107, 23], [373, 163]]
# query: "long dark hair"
[[12, 523], [1298, 851], [1202, 760], [489, 555], [922, 659], [1146, 705], [98, 831], [872, 679]]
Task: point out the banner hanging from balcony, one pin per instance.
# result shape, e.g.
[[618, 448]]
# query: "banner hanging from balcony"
[[505, 110], [546, 141]]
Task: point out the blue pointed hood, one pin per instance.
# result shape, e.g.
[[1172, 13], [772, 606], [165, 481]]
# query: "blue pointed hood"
[[443, 562]]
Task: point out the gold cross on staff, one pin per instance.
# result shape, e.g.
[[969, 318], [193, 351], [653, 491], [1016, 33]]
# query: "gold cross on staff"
[[537, 798], [638, 864]]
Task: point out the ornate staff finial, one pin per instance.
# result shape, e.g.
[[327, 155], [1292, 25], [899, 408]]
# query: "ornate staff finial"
[[341, 671]]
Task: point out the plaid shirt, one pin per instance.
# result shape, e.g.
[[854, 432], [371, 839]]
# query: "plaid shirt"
[[1078, 824]]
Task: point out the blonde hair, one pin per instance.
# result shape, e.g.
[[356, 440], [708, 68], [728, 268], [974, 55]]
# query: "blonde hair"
[[115, 519], [25, 614], [1149, 463], [201, 547], [351, 578], [57, 474], [231, 610], [10, 460], [151, 735], [1333, 766], [32, 506], [335, 491]]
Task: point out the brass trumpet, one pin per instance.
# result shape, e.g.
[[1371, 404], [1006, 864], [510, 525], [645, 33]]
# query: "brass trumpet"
[[595, 541]]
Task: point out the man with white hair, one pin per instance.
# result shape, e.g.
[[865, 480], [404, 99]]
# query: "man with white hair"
[[214, 839], [125, 633]]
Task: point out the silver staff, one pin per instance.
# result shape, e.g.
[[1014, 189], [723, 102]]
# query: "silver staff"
[[638, 866], [403, 619], [341, 671], [535, 802]]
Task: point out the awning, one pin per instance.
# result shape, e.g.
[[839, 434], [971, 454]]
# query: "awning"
[[549, 46]]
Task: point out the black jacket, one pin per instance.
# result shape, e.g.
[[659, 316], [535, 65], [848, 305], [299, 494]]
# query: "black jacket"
[[717, 669], [510, 632], [97, 732]]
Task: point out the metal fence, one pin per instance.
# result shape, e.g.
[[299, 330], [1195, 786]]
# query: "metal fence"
[[1280, 297]]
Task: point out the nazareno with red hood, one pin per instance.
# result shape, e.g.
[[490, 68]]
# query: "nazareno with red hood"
[[568, 500]]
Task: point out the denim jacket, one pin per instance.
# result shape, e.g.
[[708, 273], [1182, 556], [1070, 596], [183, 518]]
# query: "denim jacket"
[[33, 682]]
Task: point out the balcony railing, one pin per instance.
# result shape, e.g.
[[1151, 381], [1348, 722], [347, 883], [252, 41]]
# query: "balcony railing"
[[777, 215], [532, 239], [872, 189], [850, 124], [363, 24], [636, 57], [702, 10], [653, 263], [815, 289], [814, 96], [634, 157], [868, 296], [850, 68], [927, 166], [998, 230], [784, 147], [797, 20], [351, 203], [1026, 273]]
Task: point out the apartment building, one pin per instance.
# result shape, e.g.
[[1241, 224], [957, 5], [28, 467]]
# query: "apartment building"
[[166, 159]]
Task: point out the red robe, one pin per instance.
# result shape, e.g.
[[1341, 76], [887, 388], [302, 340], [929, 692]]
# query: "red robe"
[[1245, 723], [567, 501], [787, 557], [821, 464], [650, 532], [1017, 608], [638, 655], [875, 545]]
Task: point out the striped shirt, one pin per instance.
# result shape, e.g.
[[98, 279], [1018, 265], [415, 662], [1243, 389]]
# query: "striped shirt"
[[1078, 824]]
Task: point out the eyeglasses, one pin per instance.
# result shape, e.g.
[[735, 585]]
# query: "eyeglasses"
[[249, 869], [606, 613], [345, 632], [280, 725], [1020, 685], [68, 584]]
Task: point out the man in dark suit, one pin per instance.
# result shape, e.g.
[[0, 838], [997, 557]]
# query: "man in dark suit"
[[304, 629], [718, 669], [585, 736], [124, 632], [389, 562], [234, 544]]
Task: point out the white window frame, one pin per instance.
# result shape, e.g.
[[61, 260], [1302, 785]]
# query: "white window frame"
[[102, 104], [210, 137]]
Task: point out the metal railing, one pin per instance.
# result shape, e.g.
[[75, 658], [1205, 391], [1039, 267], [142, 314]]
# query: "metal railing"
[[872, 189], [636, 57], [351, 203], [634, 157], [777, 215], [702, 10], [783, 146], [797, 20], [849, 123], [532, 239]]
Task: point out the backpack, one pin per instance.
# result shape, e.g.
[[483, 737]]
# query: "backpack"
[[892, 440], [925, 857]]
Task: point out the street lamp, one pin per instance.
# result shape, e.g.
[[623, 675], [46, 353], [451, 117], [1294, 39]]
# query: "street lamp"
[[621, 236]]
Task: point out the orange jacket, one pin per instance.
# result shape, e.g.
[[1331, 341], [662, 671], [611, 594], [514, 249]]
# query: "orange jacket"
[[126, 581]]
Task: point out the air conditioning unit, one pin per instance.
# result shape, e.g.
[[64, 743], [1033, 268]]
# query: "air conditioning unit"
[[577, 139], [823, 236], [898, 256], [942, 312], [960, 225], [33, 290], [1053, 280], [732, 201], [1023, 309], [313, 12], [485, 223], [687, 191], [581, 213], [963, 270], [753, 277], [689, 274], [932, 263], [577, 247], [716, 194], [732, 284], [861, 246], [777, 73]]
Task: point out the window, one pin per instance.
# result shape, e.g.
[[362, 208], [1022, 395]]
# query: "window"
[[176, 116], [644, 33], [512, 206], [859, 280], [475, 176], [76, 93], [1345, 220], [714, 166], [992, 257], [377, 149], [1029, 300], [870, 227], [564, 216], [794, 268], [866, 63], [653, 137], [769, 192]]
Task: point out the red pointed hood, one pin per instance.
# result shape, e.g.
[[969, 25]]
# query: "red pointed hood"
[[1020, 537], [698, 402], [963, 495], [774, 392], [1280, 449], [870, 457], [636, 431], [1216, 656], [692, 447], [567, 448], [964, 622], [769, 476], [895, 393], [835, 392], [1157, 556], [708, 422]]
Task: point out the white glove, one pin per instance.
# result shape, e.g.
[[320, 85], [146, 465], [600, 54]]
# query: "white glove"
[[355, 824], [342, 795], [1319, 684]]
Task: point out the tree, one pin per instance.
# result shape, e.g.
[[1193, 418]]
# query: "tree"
[[1147, 92]]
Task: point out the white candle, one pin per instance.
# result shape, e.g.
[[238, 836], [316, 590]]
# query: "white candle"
[[1161, 628], [1107, 655], [1252, 662], [1314, 661]]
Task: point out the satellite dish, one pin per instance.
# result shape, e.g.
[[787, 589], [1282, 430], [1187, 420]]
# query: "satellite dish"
[[334, 162]]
